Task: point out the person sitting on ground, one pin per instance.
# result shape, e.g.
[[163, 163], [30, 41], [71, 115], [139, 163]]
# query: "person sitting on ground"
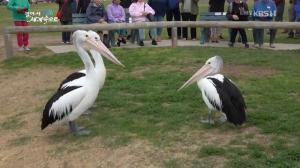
[[95, 13], [263, 10], [238, 11], [116, 14], [138, 11]]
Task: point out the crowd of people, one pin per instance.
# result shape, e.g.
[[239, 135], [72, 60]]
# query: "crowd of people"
[[119, 11]]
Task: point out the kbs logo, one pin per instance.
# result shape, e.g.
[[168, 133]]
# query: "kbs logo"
[[264, 13]]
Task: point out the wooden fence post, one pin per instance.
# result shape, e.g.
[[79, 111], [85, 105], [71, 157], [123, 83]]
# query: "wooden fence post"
[[8, 46], [174, 37]]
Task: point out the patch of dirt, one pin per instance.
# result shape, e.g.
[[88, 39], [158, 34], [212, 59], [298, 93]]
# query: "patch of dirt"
[[24, 94], [139, 71], [244, 70]]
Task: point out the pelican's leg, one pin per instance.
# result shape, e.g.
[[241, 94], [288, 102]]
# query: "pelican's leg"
[[77, 130], [209, 119], [223, 118]]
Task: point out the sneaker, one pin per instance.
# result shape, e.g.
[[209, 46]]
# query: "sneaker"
[[141, 43], [272, 45], [123, 40], [119, 42], [246, 45], [230, 44], [26, 48], [255, 45], [67, 42], [20, 48], [154, 42]]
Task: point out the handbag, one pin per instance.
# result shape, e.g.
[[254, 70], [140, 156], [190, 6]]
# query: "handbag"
[[149, 16], [59, 12]]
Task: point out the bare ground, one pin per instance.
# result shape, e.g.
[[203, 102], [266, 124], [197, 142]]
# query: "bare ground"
[[23, 144]]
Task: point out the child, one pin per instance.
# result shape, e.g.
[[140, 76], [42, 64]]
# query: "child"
[[238, 11], [19, 8]]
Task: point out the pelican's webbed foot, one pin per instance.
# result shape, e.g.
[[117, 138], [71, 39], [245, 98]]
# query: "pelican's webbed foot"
[[209, 120], [77, 130], [222, 118]]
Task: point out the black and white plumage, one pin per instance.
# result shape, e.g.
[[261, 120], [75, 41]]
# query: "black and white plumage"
[[219, 93], [79, 92]]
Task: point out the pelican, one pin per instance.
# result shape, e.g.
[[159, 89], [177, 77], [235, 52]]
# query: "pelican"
[[79, 76], [70, 101], [219, 93]]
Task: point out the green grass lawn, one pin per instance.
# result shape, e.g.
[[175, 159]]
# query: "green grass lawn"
[[140, 101]]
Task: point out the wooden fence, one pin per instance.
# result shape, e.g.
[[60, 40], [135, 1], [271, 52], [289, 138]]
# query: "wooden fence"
[[8, 31]]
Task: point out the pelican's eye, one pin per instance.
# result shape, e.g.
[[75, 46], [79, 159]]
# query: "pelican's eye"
[[86, 35], [208, 62], [96, 38]]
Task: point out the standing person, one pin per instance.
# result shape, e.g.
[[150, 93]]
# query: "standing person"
[[160, 8], [238, 11], [263, 10], [138, 11], [297, 11], [65, 6], [189, 12], [18, 9], [116, 14], [279, 10], [96, 13], [292, 17], [216, 6], [173, 11], [125, 4], [82, 6]]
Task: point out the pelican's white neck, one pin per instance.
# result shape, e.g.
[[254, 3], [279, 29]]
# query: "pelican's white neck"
[[88, 64]]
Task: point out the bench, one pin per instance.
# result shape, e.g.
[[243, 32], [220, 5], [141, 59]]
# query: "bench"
[[210, 16], [79, 18]]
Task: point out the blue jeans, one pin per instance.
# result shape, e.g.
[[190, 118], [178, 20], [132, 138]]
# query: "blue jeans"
[[158, 18]]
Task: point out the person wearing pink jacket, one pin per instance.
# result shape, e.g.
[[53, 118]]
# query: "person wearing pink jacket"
[[138, 11]]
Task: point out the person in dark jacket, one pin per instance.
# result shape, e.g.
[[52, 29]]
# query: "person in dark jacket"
[[173, 11], [82, 6], [96, 13], [66, 7], [216, 6], [160, 8], [238, 11]]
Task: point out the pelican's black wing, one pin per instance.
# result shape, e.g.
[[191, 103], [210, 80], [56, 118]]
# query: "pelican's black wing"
[[61, 104], [233, 103], [71, 77]]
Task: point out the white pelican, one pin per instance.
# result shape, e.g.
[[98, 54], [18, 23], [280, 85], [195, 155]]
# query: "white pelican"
[[79, 76], [69, 102], [219, 93]]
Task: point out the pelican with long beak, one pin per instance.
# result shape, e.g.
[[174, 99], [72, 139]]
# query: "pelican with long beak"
[[71, 100], [219, 93]]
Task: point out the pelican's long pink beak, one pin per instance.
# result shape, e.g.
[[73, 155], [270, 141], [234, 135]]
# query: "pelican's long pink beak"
[[101, 48], [201, 73]]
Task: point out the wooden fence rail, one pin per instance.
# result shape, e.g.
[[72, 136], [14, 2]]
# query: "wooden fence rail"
[[7, 31]]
